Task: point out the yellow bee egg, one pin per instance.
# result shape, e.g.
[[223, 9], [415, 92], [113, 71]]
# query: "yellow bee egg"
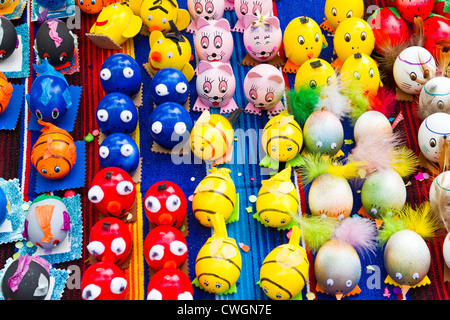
[[353, 35], [285, 269], [363, 70], [282, 137], [337, 11], [314, 73]]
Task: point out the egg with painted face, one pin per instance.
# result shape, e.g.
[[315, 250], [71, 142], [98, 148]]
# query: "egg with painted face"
[[4, 4], [119, 150], [383, 192], [352, 36], [323, 133], [90, 6], [413, 68], [169, 85], [337, 11], [446, 250], [315, 73], [116, 112], [361, 69], [8, 39], [157, 15], [243, 7], [435, 97], [214, 41], [170, 284], [6, 90], [104, 281], [371, 122], [51, 4], [433, 130], [209, 10]]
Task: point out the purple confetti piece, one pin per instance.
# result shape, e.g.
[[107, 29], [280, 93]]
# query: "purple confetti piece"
[[397, 290]]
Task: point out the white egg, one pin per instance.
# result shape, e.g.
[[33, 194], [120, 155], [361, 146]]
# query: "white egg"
[[431, 132]]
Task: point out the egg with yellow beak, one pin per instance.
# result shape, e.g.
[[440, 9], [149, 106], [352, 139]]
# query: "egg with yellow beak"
[[156, 15]]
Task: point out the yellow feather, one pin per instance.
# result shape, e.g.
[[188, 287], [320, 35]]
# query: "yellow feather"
[[404, 161], [420, 220], [346, 171]]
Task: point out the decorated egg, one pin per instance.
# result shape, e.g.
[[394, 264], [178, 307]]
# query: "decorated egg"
[[435, 28], [440, 187], [432, 131], [242, 8], [409, 9], [435, 97], [315, 73], [382, 192], [4, 206], [9, 38], [353, 35], [157, 16], [407, 258], [116, 112], [170, 124], [54, 153], [51, 4], [302, 40], [337, 11], [119, 150], [361, 69], [323, 133], [169, 85], [55, 43], [104, 281], [47, 222], [413, 68], [49, 96], [6, 90], [165, 247], [371, 122], [112, 192], [446, 250], [206, 9], [121, 73], [110, 241], [169, 284], [90, 7], [330, 196], [337, 268], [26, 278], [6, 4], [215, 41], [165, 204]]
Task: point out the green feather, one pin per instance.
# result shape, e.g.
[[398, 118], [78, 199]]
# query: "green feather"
[[390, 226], [313, 166], [302, 102]]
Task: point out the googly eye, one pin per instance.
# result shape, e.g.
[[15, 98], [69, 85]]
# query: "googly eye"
[[159, 41], [373, 211], [126, 150], [348, 283], [102, 115], [179, 128], [105, 74], [103, 152], [169, 55], [157, 127], [95, 194], [330, 282], [164, 20], [319, 144], [128, 72], [173, 202], [149, 17], [91, 292], [154, 295], [301, 40], [415, 276], [371, 73], [118, 246], [126, 116], [95, 248], [178, 248], [161, 90], [181, 87], [152, 204], [398, 276], [156, 252], [333, 146], [124, 188], [118, 285]]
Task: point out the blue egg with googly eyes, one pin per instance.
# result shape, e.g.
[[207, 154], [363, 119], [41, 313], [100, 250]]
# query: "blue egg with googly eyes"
[[51, 4], [121, 151], [170, 124], [4, 206], [121, 73], [169, 85], [116, 112]]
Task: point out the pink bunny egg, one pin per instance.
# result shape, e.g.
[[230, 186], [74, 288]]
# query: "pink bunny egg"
[[214, 41], [242, 7], [207, 9]]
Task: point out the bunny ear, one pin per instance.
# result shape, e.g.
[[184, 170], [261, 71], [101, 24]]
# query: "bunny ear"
[[277, 78], [203, 66], [253, 74], [248, 19], [201, 22], [273, 21], [222, 23], [227, 68]]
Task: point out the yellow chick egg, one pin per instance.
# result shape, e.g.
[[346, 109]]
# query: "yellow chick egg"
[[156, 15], [363, 70], [337, 11], [314, 73]]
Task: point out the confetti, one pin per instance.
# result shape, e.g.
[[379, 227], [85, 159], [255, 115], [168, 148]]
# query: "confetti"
[[397, 290], [369, 267], [397, 120], [348, 141], [252, 198], [191, 197], [193, 179], [249, 209], [25, 206], [288, 234], [310, 296], [244, 247], [95, 133], [239, 174], [362, 173], [426, 175], [89, 137], [419, 176], [252, 178], [386, 293]]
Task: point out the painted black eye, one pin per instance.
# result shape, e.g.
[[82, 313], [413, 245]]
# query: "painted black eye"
[[413, 76], [44, 171], [334, 12], [55, 113], [313, 84], [350, 14], [38, 114], [301, 40], [363, 36], [432, 142], [347, 37], [57, 169]]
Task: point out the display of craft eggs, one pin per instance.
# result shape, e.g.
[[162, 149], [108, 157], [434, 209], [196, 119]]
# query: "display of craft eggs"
[[104, 281], [323, 133], [337, 11], [330, 196], [371, 122], [432, 131], [119, 150], [47, 222], [116, 112], [383, 192], [435, 97], [170, 284], [169, 85], [315, 73], [8, 39]]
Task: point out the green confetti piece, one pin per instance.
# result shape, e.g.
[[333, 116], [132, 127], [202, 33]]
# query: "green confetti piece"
[[89, 137], [249, 209]]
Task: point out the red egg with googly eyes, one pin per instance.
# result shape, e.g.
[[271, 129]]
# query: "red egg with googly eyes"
[[110, 241], [169, 284], [165, 247], [165, 204], [112, 192], [104, 281]]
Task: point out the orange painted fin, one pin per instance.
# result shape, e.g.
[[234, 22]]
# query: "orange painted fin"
[[44, 215]]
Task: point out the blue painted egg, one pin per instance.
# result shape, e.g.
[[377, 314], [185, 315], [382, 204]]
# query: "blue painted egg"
[[170, 122], [121, 151], [121, 73], [51, 4], [116, 112], [169, 85], [4, 206]]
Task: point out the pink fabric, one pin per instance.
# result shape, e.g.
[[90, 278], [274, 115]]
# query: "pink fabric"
[[22, 268], [53, 34]]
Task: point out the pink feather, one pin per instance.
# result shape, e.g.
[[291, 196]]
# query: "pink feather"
[[359, 232]]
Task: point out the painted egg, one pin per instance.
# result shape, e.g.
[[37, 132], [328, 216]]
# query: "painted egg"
[[51, 4], [116, 112], [5, 4], [104, 281], [47, 222], [170, 284], [382, 192], [4, 206], [361, 69], [337, 11], [440, 184], [330, 196], [314, 73], [121, 73], [435, 97], [6, 91], [170, 124], [337, 267], [446, 250], [55, 43], [9, 38], [371, 122], [119, 150], [432, 131], [169, 85], [26, 278], [407, 258], [323, 133]]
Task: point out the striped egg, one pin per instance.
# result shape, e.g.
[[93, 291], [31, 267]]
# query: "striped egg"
[[282, 137], [216, 193], [54, 153]]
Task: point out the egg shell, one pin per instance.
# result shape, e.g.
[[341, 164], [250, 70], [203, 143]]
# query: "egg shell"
[[434, 97], [431, 132], [371, 122], [442, 183]]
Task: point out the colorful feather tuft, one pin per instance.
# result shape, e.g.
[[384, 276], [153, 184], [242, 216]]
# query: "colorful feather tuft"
[[391, 225], [404, 161], [313, 166], [348, 171], [358, 101], [360, 232], [383, 101], [334, 101], [420, 220], [302, 102]]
